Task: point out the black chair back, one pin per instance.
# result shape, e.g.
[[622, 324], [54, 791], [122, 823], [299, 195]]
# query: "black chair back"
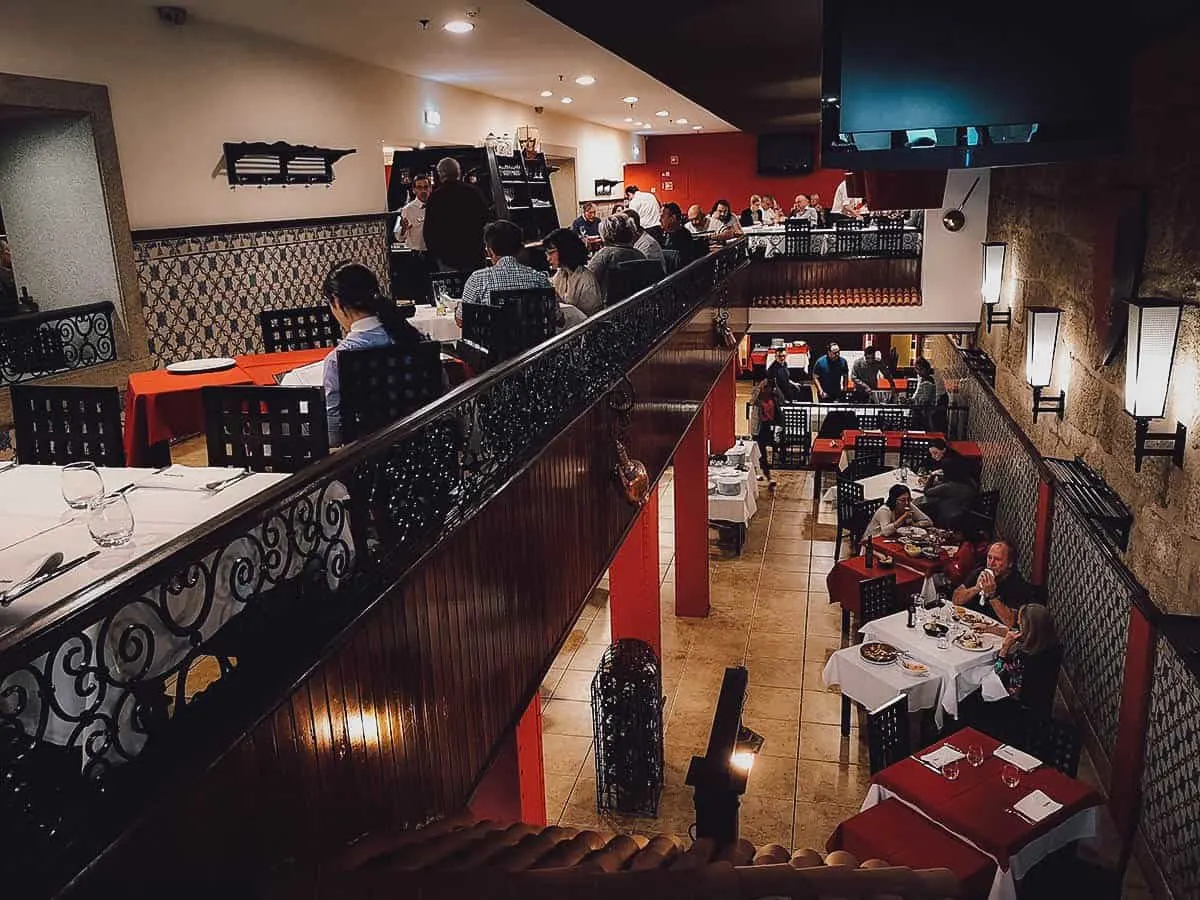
[[382, 385], [890, 237], [451, 283], [893, 419], [306, 328], [836, 421], [513, 322], [869, 453], [265, 429], [59, 425], [848, 237], [849, 493], [797, 238], [914, 452], [671, 261], [627, 278], [1056, 743], [868, 421], [985, 505], [888, 738], [877, 597], [863, 511]]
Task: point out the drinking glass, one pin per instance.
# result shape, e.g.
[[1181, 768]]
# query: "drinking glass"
[[975, 755], [951, 770], [110, 520], [903, 475], [943, 643], [1010, 775], [81, 484]]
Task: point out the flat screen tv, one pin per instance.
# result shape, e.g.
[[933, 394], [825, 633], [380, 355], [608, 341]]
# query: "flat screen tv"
[[785, 154], [941, 84]]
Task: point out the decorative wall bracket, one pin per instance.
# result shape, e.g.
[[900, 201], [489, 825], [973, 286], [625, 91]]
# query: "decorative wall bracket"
[[1143, 436], [259, 164], [631, 473], [1044, 404]]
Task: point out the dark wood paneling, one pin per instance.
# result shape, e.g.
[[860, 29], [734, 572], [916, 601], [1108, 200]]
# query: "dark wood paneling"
[[782, 277]]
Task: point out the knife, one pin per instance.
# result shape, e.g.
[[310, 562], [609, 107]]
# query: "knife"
[[221, 483], [32, 583], [51, 562]]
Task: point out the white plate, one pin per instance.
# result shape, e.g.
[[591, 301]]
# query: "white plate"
[[196, 366], [988, 641], [913, 531]]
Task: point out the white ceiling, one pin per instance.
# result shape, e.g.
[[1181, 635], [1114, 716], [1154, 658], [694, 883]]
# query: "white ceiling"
[[515, 52]]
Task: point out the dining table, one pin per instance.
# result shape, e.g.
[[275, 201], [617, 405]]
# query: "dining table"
[[731, 513], [164, 504], [844, 578], [1016, 826]]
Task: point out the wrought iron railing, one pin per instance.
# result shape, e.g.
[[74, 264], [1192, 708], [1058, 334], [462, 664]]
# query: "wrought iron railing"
[[34, 345], [165, 661]]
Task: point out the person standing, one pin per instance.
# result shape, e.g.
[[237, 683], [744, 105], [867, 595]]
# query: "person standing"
[[780, 376], [410, 224], [648, 210], [864, 374], [924, 397], [678, 238], [765, 415], [829, 374], [845, 206], [455, 216]]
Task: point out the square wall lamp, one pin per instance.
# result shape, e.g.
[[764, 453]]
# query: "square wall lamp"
[[1150, 341]]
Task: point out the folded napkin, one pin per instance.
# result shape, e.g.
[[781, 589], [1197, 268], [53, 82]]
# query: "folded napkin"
[[994, 689], [1037, 806], [1019, 758], [186, 478], [941, 756]]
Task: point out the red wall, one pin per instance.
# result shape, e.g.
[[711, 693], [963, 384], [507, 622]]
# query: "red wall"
[[720, 166]]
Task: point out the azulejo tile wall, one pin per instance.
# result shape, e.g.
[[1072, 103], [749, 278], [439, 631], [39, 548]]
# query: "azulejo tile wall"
[[202, 293]]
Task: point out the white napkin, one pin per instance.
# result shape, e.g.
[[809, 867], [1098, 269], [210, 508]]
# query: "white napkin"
[[1037, 806], [994, 689], [186, 478], [941, 756], [1019, 758], [311, 375]]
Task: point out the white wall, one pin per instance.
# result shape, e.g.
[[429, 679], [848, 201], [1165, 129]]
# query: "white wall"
[[950, 276], [54, 211], [177, 94]]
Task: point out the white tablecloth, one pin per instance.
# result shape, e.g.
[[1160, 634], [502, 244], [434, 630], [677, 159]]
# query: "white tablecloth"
[[959, 671], [217, 595], [1082, 826], [872, 686], [435, 327], [753, 455], [739, 509], [876, 487]]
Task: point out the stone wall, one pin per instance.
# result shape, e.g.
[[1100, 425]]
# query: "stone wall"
[[1049, 217]]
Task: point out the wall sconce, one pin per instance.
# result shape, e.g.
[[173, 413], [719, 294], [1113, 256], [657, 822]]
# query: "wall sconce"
[[1149, 354], [993, 277], [719, 778], [1041, 338]]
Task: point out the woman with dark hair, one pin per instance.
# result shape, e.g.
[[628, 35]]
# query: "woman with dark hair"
[[897, 511], [574, 284], [368, 319]]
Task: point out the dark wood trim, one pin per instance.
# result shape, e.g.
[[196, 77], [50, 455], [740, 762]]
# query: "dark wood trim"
[[189, 231]]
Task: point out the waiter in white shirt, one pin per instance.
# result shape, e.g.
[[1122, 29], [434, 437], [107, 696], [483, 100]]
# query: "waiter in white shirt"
[[410, 224], [415, 267], [845, 205], [647, 208]]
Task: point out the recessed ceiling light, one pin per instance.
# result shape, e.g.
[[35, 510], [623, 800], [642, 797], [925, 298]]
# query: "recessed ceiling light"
[[459, 26], [585, 80], [663, 113], [697, 127], [547, 93], [640, 124], [628, 120], [629, 99], [567, 100], [681, 121]]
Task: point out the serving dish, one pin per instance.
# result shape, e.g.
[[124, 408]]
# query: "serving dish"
[[197, 366], [913, 667], [935, 629], [877, 653]]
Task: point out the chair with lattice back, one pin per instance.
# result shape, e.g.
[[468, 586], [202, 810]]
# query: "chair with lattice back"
[[57, 425], [914, 452], [848, 237], [888, 739], [849, 492], [1056, 743], [449, 283], [306, 328], [889, 237], [986, 505], [382, 385], [869, 453], [265, 429], [797, 238], [877, 598], [893, 419], [863, 512], [795, 442]]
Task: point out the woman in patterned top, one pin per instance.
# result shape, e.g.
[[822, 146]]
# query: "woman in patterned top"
[[1029, 658], [368, 319]]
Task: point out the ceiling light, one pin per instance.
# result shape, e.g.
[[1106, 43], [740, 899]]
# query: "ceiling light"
[[547, 93], [639, 124], [697, 127], [459, 26], [585, 80], [681, 121], [567, 100], [663, 113], [628, 119], [629, 99]]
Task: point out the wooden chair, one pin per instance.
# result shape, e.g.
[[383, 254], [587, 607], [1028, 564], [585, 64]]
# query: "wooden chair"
[[382, 385], [849, 493], [306, 328], [265, 429], [914, 452], [797, 238], [450, 283], [1056, 743], [848, 237], [876, 599], [888, 738], [59, 425], [795, 443]]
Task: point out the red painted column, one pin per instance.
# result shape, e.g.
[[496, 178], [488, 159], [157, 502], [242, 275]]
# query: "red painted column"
[[722, 405], [514, 787], [1129, 754], [691, 519], [1039, 570], [633, 581]]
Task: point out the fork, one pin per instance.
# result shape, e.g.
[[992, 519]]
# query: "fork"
[[221, 483], [1020, 815]]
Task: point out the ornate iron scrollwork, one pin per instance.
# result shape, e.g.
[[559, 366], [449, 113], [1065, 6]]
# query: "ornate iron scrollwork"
[[46, 343]]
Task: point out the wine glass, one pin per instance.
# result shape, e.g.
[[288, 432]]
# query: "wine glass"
[[975, 755], [1010, 775], [81, 484], [110, 520], [951, 770]]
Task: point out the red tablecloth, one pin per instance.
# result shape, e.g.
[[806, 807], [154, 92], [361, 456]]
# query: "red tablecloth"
[[917, 563], [263, 367], [974, 805], [826, 452], [843, 580], [902, 836], [882, 384]]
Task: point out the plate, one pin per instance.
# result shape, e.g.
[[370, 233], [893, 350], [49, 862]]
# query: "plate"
[[913, 667], [935, 629], [970, 617], [912, 550], [196, 366], [930, 553], [985, 642], [878, 653], [912, 531]]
